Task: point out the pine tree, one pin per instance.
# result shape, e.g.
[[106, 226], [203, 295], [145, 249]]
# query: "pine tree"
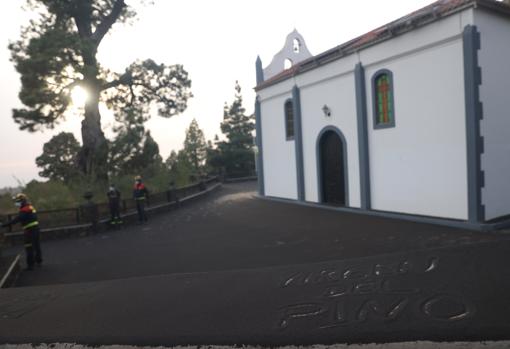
[[213, 162], [57, 52], [171, 161], [59, 158], [179, 168], [237, 151], [195, 148], [133, 151]]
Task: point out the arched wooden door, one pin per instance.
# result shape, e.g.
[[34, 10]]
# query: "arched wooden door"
[[332, 169]]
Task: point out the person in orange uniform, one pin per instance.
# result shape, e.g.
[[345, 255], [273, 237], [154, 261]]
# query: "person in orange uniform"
[[27, 216], [140, 194]]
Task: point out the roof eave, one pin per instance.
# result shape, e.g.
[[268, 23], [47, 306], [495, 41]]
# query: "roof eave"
[[343, 50]]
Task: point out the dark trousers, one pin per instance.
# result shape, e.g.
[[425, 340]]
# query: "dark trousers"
[[140, 207], [33, 246], [114, 211]]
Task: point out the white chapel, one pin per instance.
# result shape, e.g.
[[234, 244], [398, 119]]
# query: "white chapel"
[[409, 120]]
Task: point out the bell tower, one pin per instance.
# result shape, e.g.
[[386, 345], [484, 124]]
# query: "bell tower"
[[294, 51]]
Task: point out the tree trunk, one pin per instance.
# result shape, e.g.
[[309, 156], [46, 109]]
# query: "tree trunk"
[[93, 156], [94, 153]]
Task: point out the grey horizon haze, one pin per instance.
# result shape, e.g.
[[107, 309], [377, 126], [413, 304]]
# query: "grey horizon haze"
[[217, 42]]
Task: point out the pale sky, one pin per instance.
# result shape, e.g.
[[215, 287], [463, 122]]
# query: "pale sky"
[[216, 41]]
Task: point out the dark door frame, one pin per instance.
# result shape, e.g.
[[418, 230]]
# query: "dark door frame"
[[318, 159]]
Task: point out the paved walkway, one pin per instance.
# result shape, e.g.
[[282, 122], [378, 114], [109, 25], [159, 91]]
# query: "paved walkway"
[[234, 269]]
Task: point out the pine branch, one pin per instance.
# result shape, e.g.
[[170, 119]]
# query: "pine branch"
[[124, 79], [108, 21]]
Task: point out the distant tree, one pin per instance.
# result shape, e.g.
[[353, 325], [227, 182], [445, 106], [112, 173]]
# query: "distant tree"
[[214, 160], [133, 151], [179, 168], [58, 160], [195, 148], [237, 151], [58, 52], [171, 161]]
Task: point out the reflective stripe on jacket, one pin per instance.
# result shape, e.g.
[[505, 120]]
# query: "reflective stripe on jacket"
[[31, 225]]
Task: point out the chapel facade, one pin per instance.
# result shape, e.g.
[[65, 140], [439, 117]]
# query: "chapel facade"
[[410, 119]]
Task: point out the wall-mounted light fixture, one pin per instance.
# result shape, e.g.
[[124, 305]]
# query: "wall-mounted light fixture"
[[326, 110]]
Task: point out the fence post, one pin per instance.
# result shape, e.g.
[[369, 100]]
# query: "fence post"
[[172, 193], [10, 226], [89, 211]]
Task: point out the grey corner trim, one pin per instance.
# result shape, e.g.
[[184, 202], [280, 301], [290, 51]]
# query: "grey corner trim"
[[363, 148], [474, 113], [259, 71], [258, 139], [319, 164], [298, 142], [287, 137], [374, 99], [483, 227]]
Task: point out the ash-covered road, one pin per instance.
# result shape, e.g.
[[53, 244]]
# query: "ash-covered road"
[[234, 269]]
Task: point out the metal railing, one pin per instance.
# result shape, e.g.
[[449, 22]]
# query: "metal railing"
[[79, 215]]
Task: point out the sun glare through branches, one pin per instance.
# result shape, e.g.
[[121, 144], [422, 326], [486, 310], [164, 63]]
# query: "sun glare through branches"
[[79, 96]]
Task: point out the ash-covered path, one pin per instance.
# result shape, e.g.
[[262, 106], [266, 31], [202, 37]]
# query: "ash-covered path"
[[234, 269], [232, 230]]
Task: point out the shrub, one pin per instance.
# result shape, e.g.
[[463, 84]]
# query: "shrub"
[[50, 195]]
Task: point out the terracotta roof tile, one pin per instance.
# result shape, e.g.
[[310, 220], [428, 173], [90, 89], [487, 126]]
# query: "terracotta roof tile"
[[423, 16]]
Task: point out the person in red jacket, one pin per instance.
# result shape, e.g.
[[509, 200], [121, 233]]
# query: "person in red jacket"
[[27, 216], [140, 194]]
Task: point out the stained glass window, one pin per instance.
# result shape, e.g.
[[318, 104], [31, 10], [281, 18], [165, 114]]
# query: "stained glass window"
[[289, 120], [384, 112]]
